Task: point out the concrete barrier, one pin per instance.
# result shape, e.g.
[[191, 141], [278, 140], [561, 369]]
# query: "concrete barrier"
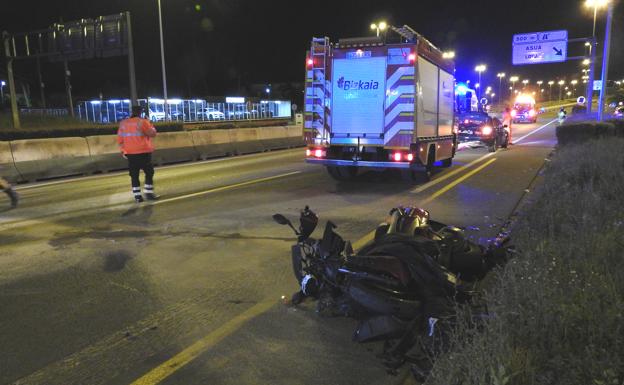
[[274, 138], [172, 147], [47, 158], [7, 168], [33, 159], [212, 143], [295, 135], [105, 153], [246, 140]]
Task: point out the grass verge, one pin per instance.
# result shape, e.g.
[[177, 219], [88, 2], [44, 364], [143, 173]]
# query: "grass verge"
[[558, 307]]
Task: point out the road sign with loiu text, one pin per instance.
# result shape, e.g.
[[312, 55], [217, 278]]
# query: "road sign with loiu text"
[[540, 47]]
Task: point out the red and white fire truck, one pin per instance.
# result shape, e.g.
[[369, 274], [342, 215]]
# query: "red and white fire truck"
[[379, 102]]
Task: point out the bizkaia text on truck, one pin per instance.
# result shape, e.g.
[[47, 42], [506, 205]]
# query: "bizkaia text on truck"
[[379, 102]]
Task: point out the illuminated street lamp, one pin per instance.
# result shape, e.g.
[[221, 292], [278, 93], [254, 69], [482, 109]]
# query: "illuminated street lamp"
[[525, 82], [500, 77], [480, 68], [381, 26], [574, 83], [550, 84], [513, 81], [586, 62], [448, 55], [561, 83]]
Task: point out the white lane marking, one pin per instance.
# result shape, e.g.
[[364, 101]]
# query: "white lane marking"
[[536, 130], [228, 187], [450, 174], [185, 164], [25, 221]]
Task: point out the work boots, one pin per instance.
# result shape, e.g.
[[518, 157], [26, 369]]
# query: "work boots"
[[149, 193]]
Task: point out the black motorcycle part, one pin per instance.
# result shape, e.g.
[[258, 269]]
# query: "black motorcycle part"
[[297, 265], [307, 222], [385, 264], [379, 328], [381, 300], [332, 243]]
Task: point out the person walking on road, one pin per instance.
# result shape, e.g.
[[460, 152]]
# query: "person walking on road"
[[507, 121], [8, 189], [135, 142]]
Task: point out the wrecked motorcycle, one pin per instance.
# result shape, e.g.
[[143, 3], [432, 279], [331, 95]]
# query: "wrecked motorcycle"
[[402, 286]]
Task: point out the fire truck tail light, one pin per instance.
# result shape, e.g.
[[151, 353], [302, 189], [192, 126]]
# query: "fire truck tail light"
[[319, 153], [308, 152], [310, 62], [412, 57], [410, 157], [397, 156]]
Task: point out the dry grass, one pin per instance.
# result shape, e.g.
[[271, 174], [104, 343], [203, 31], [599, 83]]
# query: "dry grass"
[[559, 306]]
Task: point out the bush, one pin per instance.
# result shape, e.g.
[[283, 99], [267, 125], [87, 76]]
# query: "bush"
[[64, 132], [584, 131], [558, 308]]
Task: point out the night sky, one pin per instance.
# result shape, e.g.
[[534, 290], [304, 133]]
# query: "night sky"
[[213, 46]]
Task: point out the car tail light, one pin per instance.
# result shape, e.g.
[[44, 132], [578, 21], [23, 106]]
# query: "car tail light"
[[318, 153], [410, 157], [514, 113], [532, 113], [487, 130], [397, 156]]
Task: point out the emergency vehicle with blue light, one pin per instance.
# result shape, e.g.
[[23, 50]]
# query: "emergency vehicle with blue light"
[[524, 110], [379, 102]]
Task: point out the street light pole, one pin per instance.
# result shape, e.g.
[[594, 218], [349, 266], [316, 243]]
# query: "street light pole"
[[605, 62], [480, 68], [550, 84], [500, 76], [162, 59]]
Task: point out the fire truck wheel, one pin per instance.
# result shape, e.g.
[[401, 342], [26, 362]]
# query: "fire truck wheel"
[[447, 162]]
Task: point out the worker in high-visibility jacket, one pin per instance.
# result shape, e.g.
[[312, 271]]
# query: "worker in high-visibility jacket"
[[135, 142], [8, 189], [507, 122]]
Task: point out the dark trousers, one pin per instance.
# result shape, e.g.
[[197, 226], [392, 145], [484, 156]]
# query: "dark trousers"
[[138, 162]]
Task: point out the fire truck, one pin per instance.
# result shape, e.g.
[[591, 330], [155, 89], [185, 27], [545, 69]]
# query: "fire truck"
[[378, 103]]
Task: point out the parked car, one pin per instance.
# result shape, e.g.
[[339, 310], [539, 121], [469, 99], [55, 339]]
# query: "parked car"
[[209, 113], [481, 128]]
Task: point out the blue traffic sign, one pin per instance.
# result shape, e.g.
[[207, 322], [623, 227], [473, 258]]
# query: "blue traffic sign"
[[540, 47]]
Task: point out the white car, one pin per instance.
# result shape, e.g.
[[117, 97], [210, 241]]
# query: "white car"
[[156, 116], [210, 114]]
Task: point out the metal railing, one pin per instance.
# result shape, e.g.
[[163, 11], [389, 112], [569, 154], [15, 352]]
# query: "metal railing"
[[187, 111]]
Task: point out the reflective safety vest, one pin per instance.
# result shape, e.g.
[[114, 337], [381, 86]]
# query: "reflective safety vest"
[[135, 136]]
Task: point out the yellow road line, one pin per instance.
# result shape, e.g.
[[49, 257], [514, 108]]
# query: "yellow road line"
[[456, 182], [168, 367], [368, 237], [450, 174]]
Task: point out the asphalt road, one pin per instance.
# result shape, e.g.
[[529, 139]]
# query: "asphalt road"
[[95, 289]]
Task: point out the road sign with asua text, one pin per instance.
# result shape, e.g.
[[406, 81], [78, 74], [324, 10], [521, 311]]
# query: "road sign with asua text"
[[540, 47]]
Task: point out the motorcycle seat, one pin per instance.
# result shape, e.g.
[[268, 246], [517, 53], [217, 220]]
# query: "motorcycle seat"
[[384, 264]]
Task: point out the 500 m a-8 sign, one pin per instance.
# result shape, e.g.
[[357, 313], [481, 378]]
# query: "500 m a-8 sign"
[[540, 47]]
